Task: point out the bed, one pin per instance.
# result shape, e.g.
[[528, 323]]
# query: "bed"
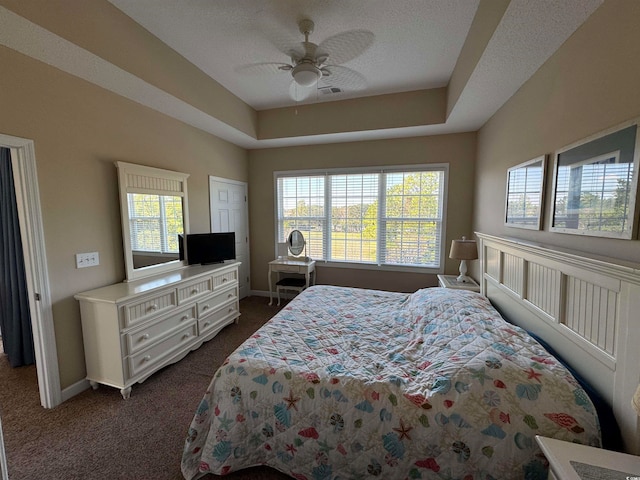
[[352, 383]]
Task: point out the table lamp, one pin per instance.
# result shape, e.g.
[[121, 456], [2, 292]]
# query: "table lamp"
[[463, 250]]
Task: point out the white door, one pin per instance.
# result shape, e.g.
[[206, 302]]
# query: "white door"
[[228, 203]]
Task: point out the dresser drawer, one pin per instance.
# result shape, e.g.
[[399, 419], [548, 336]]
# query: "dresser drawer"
[[217, 318], [212, 303], [195, 289], [290, 269], [143, 337], [150, 306], [147, 359], [223, 280]]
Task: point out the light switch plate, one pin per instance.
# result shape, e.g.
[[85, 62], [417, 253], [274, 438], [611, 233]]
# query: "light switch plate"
[[84, 260]]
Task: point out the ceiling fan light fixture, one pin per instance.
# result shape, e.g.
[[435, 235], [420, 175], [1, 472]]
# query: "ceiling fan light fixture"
[[306, 74]]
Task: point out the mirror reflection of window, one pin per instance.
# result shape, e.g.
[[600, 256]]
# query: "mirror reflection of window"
[[155, 221], [594, 191], [525, 193], [594, 195]]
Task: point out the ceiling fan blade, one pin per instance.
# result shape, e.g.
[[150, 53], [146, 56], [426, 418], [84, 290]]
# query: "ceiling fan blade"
[[346, 46], [297, 53], [262, 68], [343, 77], [300, 93]]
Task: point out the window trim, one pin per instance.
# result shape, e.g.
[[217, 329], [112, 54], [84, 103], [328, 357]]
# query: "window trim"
[[443, 167]]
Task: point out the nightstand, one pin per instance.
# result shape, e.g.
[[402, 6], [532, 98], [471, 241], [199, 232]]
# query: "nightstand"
[[572, 461], [449, 281]]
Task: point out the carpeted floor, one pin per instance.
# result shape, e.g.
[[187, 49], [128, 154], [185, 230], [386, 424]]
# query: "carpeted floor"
[[98, 435]]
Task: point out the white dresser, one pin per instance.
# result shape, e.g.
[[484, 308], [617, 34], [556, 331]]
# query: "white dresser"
[[133, 329]]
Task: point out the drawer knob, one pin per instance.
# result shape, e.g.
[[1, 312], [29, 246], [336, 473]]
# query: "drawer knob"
[[194, 291], [224, 279], [153, 307], [230, 295], [186, 335], [206, 307], [145, 337], [206, 324], [231, 309], [146, 358], [185, 317]]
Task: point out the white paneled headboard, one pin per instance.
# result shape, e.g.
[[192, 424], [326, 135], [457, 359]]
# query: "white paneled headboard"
[[586, 307]]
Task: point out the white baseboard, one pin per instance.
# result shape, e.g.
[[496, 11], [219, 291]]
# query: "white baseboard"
[[259, 293], [75, 389], [265, 293]]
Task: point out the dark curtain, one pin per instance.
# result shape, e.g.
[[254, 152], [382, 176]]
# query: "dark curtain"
[[15, 318]]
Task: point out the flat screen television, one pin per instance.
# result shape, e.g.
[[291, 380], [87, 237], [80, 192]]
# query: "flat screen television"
[[207, 248]]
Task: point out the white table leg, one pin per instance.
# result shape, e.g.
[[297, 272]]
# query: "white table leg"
[[126, 392]]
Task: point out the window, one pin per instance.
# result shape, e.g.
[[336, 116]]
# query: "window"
[[391, 217]]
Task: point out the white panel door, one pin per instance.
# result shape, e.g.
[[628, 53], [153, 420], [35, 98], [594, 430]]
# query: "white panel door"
[[228, 207]]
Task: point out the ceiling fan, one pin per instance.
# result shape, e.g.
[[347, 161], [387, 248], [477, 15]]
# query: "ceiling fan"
[[319, 66]]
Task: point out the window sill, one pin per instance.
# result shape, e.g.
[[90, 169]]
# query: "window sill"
[[379, 268]]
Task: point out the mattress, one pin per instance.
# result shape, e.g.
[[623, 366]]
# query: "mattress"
[[353, 383]]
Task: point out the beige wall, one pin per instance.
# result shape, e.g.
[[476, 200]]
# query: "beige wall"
[[79, 130], [590, 84], [408, 109], [458, 150], [102, 29]]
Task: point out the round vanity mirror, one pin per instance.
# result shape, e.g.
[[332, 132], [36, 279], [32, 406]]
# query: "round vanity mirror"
[[296, 242]]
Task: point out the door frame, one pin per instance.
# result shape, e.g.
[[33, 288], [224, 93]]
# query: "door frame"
[[246, 216], [23, 160]]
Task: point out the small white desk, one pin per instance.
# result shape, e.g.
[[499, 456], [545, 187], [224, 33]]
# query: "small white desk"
[[304, 267], [560, 455]]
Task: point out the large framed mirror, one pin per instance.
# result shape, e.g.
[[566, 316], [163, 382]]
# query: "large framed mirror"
[[595, 185], [153, 207]]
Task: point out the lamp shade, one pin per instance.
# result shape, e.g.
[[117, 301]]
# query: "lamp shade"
[[463, 249]]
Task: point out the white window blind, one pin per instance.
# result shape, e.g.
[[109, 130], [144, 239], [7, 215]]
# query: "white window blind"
[[301, 206], [377, 217]]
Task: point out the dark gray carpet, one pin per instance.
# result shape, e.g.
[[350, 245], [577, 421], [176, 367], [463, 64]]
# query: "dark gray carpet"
[[98, 435]]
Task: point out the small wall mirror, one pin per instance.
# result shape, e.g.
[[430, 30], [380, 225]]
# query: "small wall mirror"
[[296, 242], [525, 182], [153, 206]]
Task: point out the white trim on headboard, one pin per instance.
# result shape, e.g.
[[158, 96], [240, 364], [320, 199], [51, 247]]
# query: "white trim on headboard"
[[586, 307]]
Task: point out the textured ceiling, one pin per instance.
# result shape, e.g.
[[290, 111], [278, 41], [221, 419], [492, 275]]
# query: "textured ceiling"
[[416, 45]]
